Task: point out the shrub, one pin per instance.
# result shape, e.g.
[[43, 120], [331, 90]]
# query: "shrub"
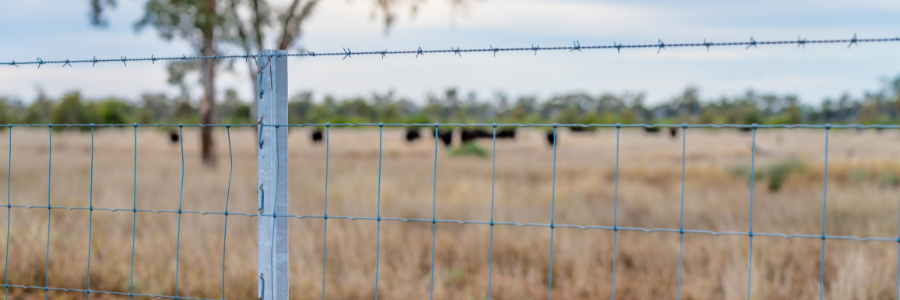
[[467, 149]]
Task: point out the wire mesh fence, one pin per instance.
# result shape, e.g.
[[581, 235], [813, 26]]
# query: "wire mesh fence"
[[377, 219]]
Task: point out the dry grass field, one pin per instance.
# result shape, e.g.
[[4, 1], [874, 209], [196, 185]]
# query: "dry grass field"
[[863, 200]]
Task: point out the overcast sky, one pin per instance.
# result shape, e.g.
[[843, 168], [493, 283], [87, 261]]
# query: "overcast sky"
[[58, 29]]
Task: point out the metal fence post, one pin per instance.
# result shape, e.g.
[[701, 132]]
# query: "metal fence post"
[[272, 164]]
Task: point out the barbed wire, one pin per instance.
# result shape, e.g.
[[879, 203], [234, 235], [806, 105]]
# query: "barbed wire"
[[347, 53]]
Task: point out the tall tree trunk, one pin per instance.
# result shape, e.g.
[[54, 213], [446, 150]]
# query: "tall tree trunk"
[[208, 105]]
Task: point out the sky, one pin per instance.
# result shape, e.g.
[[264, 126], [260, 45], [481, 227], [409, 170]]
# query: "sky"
[[59, 30]]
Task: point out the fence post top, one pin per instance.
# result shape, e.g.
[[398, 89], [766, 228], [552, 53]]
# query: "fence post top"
[[495, 125], [618, 125], [380, 124]]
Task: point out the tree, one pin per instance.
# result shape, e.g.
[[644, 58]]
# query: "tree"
[[206, 23]]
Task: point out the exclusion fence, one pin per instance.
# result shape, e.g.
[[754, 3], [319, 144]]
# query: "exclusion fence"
[[273, 213]]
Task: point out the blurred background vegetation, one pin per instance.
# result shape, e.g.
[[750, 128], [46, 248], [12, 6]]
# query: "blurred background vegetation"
[[881, 106]]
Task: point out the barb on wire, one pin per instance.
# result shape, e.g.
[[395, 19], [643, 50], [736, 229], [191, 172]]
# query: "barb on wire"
[[383, 53], [659, 45], [853, 41], [455, 51], [801, 42], [535, 48], [39, 62], [66, 64], [419, 52], [577, 46], [123, 60], [752, 43]]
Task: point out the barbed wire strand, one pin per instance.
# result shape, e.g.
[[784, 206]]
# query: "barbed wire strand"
[[348, 54], [49, 213], [180, 198], [434, 207], [493, 181], [9, 213], [378, 234], [325, 220], [824, 210], [552, 212], [750, 233], [91, 218], [615, 218], [227, 196]]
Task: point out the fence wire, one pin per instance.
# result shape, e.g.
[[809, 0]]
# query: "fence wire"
[[378, 218], [576, 46]]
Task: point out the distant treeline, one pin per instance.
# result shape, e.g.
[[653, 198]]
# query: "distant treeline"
[[882, 107]]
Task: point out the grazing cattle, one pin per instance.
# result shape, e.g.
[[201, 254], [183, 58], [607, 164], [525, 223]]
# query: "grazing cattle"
[[551, 138], [412, 135], [471, 135], [317, 136], [173, 136], [652, 130], [445, 136], [578, 129], [673, 131], [506, 134]]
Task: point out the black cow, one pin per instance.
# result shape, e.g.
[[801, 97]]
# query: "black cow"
[[412, 135], [444, 136], [578, 129], [673, 131], [173, 136], [653, 130], [551, 138], [506, 134], [471, 135], [317, 136]]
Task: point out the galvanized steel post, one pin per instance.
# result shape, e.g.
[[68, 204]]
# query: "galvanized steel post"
[[272, 164]]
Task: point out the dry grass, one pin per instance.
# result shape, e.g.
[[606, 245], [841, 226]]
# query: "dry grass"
[[649, 196]]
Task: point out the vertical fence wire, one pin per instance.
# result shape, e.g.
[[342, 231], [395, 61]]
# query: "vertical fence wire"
[[378, 234], [681, 227], [325, 235], [552, 211], [134, 215], [9, 214], [434, 207], [91, 218], [615, 215], [750, 233], [227, 195], [180, 197], [824, 210], [493, 179], [274, 208], [49, 178]]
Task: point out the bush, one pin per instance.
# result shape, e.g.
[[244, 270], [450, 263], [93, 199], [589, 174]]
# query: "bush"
[[888, 178], [778, 173], [469, 148]]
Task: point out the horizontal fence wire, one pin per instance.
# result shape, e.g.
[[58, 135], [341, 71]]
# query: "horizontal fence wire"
[[615, 228], [347, 53], [547, 125]]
